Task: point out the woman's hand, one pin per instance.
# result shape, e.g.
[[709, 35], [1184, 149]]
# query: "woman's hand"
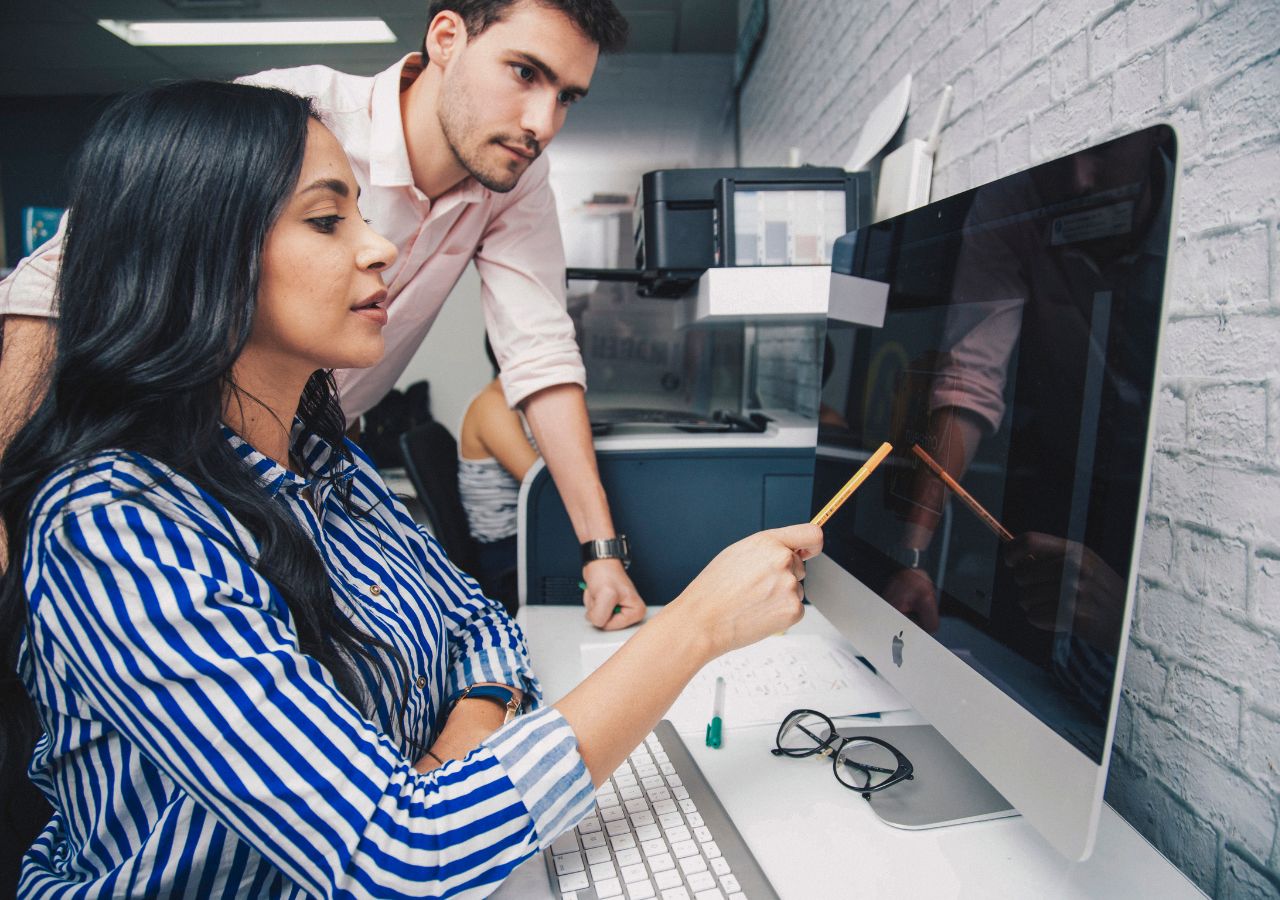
[[752, 588]]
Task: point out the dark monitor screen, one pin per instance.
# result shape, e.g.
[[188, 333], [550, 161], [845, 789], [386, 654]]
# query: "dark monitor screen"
[[1018, 354]]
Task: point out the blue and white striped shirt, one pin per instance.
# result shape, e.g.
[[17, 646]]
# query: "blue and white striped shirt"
[[191, 749]]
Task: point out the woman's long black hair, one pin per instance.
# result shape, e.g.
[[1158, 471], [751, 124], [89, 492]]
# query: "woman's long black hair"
[[173, 195]]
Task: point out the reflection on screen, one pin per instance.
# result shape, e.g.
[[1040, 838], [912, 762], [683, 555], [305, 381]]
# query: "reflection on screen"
[[1014, 377]]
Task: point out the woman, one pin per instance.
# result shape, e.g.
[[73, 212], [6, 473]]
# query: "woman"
[[250, 668], [495, 450]]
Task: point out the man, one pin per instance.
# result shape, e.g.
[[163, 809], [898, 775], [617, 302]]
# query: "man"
[[447, 148]]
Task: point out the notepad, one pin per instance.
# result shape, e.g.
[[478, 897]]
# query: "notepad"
[[769, 679]]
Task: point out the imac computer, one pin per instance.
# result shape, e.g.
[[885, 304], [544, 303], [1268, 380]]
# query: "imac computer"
[[1005, 341]]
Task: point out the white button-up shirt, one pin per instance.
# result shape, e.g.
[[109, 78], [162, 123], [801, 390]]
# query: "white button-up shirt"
[[514, 239]]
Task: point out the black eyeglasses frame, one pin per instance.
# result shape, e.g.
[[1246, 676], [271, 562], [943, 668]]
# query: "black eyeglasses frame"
[[832, 746]]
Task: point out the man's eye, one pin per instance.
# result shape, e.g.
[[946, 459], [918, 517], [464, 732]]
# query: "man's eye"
[[568, 99], [524, 73], [326, 224]]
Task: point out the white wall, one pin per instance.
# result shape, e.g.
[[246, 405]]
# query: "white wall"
[[1197, 761]]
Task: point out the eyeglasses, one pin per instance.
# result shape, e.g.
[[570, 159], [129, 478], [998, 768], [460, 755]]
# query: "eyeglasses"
[[861, 763]]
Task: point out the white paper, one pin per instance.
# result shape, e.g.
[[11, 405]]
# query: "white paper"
[[769, 679]]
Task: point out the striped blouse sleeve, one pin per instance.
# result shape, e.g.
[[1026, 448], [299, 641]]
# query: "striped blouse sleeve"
[[179, 645]]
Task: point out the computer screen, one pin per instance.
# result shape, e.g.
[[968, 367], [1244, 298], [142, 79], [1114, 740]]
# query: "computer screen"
[[1014, 374]]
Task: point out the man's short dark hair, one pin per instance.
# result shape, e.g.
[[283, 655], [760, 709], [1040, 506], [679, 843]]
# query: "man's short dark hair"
[[599, 20]]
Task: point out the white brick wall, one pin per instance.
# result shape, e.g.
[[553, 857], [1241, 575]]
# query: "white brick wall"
[[1197, 761]]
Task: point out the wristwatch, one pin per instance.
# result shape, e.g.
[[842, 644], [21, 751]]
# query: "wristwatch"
[[908, 557], [503, 696], [613, 548]]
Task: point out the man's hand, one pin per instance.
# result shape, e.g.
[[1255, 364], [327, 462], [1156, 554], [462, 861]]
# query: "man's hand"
[[912, 593], [1041, 564], [610, 598]]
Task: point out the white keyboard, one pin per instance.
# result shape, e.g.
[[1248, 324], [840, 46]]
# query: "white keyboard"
[[657, 831]]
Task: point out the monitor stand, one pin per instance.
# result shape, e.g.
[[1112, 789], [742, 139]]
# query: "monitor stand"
[[946, 790]]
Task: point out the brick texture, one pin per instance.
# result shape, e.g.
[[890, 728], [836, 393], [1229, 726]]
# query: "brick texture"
[[1195, 762]]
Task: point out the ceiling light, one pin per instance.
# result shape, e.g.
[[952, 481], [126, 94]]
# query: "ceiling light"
[[211, 32]]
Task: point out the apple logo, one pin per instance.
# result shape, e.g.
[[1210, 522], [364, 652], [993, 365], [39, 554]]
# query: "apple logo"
[[897, 649]]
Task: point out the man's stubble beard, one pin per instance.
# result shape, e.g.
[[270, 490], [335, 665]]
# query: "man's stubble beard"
[[459, 133]]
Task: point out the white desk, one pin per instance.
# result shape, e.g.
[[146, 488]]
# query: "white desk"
[[813, 838]]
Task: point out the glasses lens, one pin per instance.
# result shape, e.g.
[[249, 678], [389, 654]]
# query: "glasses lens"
[[803, 733], [865, 766]]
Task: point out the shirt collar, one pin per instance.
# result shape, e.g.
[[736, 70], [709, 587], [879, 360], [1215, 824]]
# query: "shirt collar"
[[388, 154], [319, 459]]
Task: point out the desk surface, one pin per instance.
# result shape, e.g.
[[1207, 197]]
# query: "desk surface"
[[814, 839]]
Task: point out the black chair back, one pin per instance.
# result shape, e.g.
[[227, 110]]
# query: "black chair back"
[[431, 461]]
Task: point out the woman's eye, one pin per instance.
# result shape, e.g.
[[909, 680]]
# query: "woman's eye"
[[326, 224]]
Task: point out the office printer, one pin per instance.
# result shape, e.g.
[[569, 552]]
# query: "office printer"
[[689, 220]]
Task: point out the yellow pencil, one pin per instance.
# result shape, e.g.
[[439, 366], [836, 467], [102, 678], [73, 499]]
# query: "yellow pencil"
[[852, 484]]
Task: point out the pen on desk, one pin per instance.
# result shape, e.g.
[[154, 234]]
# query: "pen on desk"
[[852, 484], [582, 586], [978, 509], [717, 710]]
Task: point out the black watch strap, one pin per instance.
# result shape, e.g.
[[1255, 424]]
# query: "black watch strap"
[[611, 548]]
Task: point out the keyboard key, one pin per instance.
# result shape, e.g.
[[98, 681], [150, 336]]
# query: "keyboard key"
[[660, 757], [568, 895], [617, 827], [641, 819], [654, 847], [678, 893], [612, 814], [575, 882], [674, 780], [643, 770], [668, 879], [681, 849], [712, 894], [699, 881], [688, 806], [603, 870], [631, 793], [623, 842], [641, 890], [607, 801], [588, 825], [695, 865], [720, 866], [627, 780], [694, 820], [658, 793], [670, 820], [651, 781], [646, 832], [736, 896], [627, 857], [637, 806], [730, 883], [680, 793], [679, 833], [566, 843], [661, 863], [610, 887], [622, 771], [703, 834], [597, 855], [666, 769], [652, 742], [711, 849], [662, 807], [569, 863], [594, 839], [634, 872]]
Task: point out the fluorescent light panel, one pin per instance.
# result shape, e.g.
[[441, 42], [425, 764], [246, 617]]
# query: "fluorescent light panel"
[[225, 32]]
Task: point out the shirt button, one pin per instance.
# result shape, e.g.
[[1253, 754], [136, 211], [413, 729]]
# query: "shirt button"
[[421, 682], [375, 589]]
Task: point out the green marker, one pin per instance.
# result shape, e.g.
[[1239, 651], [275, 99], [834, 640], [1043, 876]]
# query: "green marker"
[[582, 586], [717, 710]]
